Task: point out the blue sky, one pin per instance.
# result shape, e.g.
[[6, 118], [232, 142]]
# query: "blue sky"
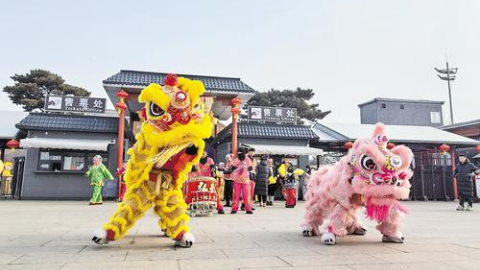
[[348, 51]]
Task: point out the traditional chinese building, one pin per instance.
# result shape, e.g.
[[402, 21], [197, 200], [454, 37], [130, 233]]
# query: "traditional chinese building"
[[222, 89], [59, 149], [470, 129], [60, 144], [271, 131]]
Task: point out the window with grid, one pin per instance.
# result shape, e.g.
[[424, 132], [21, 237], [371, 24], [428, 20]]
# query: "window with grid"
[[66, 161]]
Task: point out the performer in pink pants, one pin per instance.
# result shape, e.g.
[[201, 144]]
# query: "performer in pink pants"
[[244, 189], [241, 179]]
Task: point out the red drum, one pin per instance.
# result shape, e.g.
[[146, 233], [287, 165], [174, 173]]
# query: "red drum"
[[201, 189]]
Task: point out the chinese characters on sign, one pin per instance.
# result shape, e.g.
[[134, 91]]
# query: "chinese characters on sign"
[[272, 114], [75, 104]]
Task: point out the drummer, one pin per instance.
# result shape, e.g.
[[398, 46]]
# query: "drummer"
[[206, 167]]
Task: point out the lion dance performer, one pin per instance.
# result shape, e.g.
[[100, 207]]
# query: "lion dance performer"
[[241, 181], [97, 174], [169, 143], [370, 175], [290, 182], [206, 167]]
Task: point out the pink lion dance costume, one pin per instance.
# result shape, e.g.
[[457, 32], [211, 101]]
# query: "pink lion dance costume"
[[369, 175]]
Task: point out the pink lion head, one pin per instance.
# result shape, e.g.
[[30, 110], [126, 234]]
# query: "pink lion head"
[[380, 174]]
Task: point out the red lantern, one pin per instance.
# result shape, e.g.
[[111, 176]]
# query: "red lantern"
[[236, 111], [390, 146], [444, 148], [13, 144], [236, 102], [122, 94], [121, 106], [348, 145], [478, 148]]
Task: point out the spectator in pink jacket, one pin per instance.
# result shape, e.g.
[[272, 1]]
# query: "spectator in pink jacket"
[[241, 179]]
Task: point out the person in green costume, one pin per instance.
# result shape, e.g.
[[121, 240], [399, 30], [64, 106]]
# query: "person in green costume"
[[97, 174]]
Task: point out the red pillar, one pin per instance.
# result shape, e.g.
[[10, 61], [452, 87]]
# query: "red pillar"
[[121, 107], [235, 112]]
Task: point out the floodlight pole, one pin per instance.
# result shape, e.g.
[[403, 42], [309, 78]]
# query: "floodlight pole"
[[448, 75], [450, 95]]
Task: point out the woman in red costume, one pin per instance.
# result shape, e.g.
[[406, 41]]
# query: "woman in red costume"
[[206, 167]]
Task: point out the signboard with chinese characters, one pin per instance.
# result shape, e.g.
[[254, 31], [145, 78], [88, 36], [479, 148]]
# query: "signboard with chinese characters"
[[75, 104], [272, 114]]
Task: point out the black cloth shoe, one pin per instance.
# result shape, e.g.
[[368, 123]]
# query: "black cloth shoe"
[[249, 212], [233, 212], [221, 212]]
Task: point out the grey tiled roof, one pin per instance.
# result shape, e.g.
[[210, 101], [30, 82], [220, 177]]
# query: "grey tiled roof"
[[143, 78], [60, 122], [269, 131]]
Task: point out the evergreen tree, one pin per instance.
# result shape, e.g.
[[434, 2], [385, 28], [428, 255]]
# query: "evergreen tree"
[[292, 99], [30, 89]]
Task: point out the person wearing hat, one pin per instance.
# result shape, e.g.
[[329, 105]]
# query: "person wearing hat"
[[464, 174], [97, 174]]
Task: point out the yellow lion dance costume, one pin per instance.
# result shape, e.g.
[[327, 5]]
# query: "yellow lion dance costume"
[[169, 144]]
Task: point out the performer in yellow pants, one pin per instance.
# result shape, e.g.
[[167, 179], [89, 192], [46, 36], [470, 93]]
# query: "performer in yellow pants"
[[169, 143], [167, 202]]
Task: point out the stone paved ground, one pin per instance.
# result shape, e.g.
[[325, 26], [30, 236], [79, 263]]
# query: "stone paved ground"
[[56, 235]]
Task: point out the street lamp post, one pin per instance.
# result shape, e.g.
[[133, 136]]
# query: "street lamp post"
[[448, 75]]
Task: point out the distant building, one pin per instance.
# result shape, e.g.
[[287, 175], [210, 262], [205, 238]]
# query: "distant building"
[[402, 112], [59, 148], [470, 129], [280, 142]]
